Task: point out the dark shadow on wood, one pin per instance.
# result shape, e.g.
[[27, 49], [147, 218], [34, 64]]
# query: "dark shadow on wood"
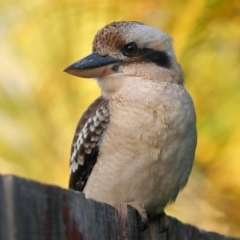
[[35, 211]]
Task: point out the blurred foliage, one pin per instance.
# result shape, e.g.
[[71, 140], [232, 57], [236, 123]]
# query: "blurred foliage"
[[40, 105]]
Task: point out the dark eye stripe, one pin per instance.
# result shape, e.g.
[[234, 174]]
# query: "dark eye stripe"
[[159, 58]]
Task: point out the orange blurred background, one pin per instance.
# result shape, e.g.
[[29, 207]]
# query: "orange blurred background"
[[40, 105]]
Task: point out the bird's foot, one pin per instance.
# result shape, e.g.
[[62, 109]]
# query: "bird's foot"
[[163, 222], [142, 214]]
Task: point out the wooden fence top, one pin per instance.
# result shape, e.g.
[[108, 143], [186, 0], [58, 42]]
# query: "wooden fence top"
[[33, 211]]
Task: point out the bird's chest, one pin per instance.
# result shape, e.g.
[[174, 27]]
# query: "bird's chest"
[[141, 122], [148, 118], [150, 141], [149, 126]]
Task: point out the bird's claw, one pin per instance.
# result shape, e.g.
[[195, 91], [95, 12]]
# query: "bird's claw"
[[163, 222], [142, 214]]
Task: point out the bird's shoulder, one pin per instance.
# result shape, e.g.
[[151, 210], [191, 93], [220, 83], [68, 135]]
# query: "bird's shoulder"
[[85, 145]]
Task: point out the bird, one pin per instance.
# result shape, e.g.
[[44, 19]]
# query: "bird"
[[135, 143]]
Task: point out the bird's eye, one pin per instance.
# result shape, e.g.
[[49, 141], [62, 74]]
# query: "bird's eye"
[[130, 49]]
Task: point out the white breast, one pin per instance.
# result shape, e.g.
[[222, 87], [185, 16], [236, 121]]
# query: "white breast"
[[147, 152]]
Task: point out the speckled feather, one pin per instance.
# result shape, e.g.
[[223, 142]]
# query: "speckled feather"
[[86, 142], [112, 33]]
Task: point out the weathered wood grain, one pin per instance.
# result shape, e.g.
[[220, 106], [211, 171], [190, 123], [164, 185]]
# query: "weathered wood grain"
[[33, 211]]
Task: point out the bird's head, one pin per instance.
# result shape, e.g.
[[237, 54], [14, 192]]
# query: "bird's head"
[[123, 50]]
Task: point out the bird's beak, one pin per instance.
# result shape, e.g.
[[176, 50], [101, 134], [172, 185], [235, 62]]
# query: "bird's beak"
[[92, 66]]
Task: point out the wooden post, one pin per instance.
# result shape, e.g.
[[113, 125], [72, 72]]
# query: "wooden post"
[[33, 211]]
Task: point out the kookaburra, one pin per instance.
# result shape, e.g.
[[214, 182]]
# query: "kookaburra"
[[136, 142]]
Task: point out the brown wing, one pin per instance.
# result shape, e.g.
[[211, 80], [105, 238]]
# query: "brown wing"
[[85, 145]]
